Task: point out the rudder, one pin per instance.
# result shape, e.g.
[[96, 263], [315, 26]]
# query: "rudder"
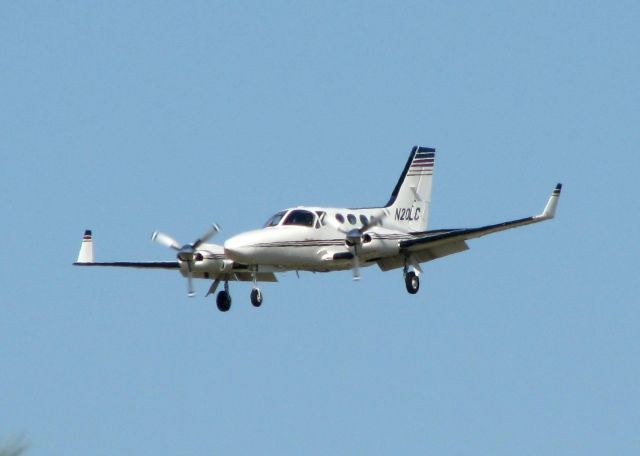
[[410, 200]]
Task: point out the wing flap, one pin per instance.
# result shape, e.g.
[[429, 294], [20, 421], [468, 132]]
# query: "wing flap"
[[424, 255], [440, 251], [260, 277]]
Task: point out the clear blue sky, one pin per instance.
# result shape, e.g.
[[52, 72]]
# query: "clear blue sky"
[[171, 115]]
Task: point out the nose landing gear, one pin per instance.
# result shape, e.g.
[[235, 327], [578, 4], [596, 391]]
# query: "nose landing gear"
[[256, 297], [256, 294]]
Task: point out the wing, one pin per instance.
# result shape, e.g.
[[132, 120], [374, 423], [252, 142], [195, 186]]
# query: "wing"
[[431, 245], [135, 264], [85, 258], [236, 272], [434, 239]]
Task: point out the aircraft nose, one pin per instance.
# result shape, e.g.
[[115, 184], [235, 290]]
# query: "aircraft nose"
[[238, 248]]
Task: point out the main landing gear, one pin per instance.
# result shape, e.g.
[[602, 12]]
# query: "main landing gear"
[[223, 298], [411, 278], [223, 301], [412, 281]]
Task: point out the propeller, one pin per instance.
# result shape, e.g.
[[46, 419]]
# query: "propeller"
[[187, 252], [355, 237]]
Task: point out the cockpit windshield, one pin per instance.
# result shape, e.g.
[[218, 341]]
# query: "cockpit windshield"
[[275, 219], [300, 218]]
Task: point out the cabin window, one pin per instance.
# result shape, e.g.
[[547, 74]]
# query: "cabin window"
[[275, 219], [300, 218], [340, 218], [364, 220], [352, 219]]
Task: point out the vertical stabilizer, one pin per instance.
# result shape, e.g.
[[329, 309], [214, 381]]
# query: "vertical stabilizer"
[[409, 204], [86, 248]]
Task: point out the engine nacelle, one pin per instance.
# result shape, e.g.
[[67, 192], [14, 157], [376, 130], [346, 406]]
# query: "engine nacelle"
[[227, 265], [374, 246], [213, 265], [224, 265]]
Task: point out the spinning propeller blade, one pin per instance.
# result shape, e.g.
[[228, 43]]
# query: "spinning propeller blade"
[[186, 253], [355, 268], [190, 292], [354, 236], [336, 225], [166, 240], [374, 221], [206, 236]]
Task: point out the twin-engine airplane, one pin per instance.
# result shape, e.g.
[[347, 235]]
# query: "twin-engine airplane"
[[323, 239]]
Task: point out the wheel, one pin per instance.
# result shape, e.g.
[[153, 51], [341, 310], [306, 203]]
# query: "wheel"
[[412, 281], [223, 300], [256, 297]]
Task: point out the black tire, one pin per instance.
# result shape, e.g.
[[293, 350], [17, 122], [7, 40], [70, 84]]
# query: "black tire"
[[412, 281], [223, 300], [256, 297]]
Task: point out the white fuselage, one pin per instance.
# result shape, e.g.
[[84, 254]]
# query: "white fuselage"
[[315, 241]]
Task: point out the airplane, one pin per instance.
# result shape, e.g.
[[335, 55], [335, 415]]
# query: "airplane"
[[324, 239]]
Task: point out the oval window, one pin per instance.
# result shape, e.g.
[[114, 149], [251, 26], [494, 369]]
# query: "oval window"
[[340, 218], [352, 219], [364, 220]]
